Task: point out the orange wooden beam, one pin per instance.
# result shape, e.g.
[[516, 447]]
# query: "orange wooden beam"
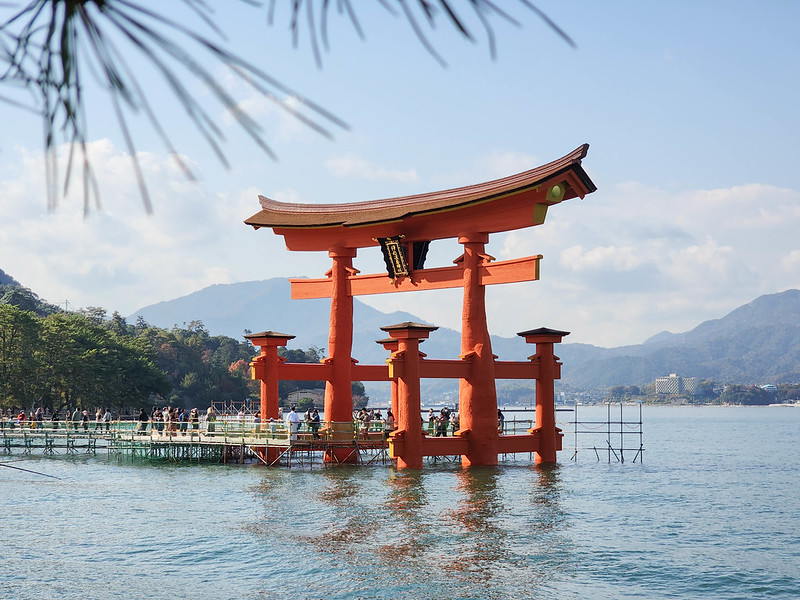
[[430, 446], [459, 445], [518, 443], [444, 446], [444, 369], [305, 372], [506, 271], [429, 369], [516, 370], [370, 372]]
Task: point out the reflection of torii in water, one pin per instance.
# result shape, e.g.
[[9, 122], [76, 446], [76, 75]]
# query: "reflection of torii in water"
[[404, 227]]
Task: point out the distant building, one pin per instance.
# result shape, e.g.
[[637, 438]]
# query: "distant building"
[[769, 388], [674, 384], [317, 396]]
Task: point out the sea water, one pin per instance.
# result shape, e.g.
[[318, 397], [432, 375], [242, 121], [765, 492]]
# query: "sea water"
[[712, 511]]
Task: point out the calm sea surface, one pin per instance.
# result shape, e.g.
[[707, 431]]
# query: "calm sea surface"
[[712, 512]]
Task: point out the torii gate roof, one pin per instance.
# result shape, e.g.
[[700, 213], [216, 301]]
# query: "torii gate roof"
[[512, 202]]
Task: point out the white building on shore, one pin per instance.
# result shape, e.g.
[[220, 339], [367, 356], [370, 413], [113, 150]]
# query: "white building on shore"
[[675, 384]]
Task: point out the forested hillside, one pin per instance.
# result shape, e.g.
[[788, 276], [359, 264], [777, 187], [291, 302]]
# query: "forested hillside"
[[67, 360]]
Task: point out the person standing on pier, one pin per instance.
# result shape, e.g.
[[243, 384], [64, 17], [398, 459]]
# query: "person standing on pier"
[[315, 424], [308, 416], [143, 420], [442, 422], [292, 423], [85, 420], [76, 417], [211, 419], [107, 419], [182, 419], [388, 424], [194, 419]]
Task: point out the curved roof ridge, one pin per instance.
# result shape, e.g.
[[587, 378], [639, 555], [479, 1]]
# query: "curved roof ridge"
[[285, 214]]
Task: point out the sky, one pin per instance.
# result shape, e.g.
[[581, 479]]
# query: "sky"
[[690, 109]]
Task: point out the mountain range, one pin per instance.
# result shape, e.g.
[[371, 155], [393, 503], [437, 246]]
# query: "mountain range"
[[756, 343]]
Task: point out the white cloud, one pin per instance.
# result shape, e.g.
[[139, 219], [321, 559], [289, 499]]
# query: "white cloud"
[[791, 262], [496, 164], [622, 265], [120, 257], [501, 164], [354, 166], [578, 259]]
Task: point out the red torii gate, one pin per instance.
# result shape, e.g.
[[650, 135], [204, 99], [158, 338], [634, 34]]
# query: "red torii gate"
[[404, 227]]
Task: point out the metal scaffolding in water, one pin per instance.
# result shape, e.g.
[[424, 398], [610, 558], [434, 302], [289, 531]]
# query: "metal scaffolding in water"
[[613, 437]]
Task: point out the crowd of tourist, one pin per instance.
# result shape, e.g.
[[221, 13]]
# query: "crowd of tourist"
[[76, 419], [180, 421]]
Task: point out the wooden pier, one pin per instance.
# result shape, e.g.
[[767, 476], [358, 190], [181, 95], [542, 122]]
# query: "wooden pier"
[[229, 443]]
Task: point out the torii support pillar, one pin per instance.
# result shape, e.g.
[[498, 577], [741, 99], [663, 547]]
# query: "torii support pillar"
[[265, 367], [405, 443], [392, 345], [549, 370]]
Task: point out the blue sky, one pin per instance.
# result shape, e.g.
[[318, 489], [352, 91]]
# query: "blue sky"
[[690, 110]]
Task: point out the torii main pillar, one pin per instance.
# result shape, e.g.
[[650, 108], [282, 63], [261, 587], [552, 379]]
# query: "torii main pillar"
[[477, 395], [338, 410]]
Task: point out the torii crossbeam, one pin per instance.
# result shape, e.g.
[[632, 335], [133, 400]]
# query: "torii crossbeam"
[[404, 227]]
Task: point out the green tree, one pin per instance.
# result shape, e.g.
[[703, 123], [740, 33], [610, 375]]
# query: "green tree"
[[619, 393], [199, 366], [84, 364], [616, 392], [705, 390], [745, 394], [303, 404], [119, 326], [135, 378], [360, 398], [95, 314], [19, 377], [789, 392], [65, 341], [25, 299]]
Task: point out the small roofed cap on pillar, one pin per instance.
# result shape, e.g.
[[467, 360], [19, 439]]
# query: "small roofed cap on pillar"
[[385, 341], [409, 326], [543, 334], [268, 335]]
